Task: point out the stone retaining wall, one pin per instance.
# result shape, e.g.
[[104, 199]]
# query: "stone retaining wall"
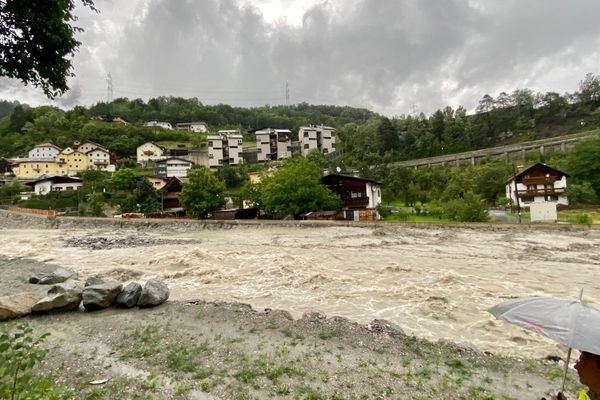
[[16, 220]]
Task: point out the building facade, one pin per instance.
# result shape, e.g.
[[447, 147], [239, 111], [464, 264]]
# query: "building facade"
[[201, 127], [538, 183], [100, 159], [159, 124], [172, 167], [150, 151], [273, 144], [316, 137], [44, 151]]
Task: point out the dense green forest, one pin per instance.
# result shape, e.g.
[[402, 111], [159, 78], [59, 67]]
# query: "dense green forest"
[[370, 138]]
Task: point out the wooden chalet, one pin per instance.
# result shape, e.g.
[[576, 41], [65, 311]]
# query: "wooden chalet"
[[538, 183]]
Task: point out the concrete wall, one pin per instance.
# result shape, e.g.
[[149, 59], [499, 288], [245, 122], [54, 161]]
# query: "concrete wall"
[[10, 220]]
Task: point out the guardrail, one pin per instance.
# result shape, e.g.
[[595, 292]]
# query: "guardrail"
[[49, 213]]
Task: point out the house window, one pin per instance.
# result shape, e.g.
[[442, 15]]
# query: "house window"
[[240, 142], [531, 187], [325, 151], [355, 195], [211, 156], [305, 134], [210, 143], [306, 146], [156, 183], [259, 150], [220, 162], [332, 133], [231, 160]]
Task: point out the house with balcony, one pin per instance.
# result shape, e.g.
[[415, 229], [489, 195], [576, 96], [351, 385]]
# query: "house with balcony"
[[316, 137], [150, 151], [273, 144], [173, 167], [193, 127], [360, 197], [538, 183], [100, 159], [225, 148], [27, 168]]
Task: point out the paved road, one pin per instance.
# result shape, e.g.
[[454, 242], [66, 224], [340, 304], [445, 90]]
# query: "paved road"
[[501, 216]]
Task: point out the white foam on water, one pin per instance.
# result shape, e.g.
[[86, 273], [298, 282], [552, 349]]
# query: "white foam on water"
[[434, 283]]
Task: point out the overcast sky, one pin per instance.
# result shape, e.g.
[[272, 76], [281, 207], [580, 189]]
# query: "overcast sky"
[[385, 55]]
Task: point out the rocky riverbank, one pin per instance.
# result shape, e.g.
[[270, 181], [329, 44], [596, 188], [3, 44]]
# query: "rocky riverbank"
[[204, 349]]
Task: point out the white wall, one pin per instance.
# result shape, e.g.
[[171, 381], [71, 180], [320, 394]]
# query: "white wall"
[[543, 211]]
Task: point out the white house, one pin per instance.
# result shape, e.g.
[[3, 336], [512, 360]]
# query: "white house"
[[49, 184], [150, 151], [159, 124], [538, 183], [44, 151], [193, 126], [100, 159], [173, 166]]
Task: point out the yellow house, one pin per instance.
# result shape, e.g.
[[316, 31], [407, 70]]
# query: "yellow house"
[[35, 169], [158, 182], [72, 163]]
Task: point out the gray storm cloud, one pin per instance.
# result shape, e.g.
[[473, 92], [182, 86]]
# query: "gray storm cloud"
[[381, 54]]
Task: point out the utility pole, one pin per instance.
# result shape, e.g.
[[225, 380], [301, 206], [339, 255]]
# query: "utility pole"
[[109, 88], [516, 192], [287, 94]]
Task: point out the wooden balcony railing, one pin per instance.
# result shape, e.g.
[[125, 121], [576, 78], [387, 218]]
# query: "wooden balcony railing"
[[540, 192], [356, 201], [539, 180]]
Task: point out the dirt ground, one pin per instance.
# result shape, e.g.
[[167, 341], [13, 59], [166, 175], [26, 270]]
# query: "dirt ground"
[[219, 350]]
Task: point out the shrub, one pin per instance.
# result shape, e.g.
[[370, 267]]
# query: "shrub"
[[19, 353], [583, 218]]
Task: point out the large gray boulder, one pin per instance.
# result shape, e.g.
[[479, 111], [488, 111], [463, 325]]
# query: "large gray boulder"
[[61, 297], [59, 275], [98, 297], [18, 305], [130, 295], [155, 292], [93, 280]]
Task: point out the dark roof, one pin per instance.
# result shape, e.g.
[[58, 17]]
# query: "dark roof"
[[544, 166], [173, 158], [349, 177], [55, 179]]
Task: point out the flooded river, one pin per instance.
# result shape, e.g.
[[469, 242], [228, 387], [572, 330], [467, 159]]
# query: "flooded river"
[[434, 283]]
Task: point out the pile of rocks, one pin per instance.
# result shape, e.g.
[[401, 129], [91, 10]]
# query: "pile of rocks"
[[67, 295], [101, 243]]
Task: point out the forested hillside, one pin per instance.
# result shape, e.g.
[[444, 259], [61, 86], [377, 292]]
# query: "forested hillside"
[[370, 138]]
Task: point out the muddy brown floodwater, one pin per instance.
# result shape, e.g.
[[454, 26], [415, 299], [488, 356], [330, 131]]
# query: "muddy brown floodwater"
[[435, 283]]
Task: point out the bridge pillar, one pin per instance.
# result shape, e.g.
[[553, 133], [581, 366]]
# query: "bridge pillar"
[[457, 163], [563, 146], [542, 150], [472, 161], [523, 153], [505, 155]]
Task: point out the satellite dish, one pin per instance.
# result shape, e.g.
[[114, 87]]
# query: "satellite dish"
[[338, 169]]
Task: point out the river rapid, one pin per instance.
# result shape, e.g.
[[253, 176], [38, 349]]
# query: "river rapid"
[[434, 283]]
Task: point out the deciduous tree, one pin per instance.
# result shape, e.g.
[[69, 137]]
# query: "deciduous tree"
[[37, 41], [202, 194]]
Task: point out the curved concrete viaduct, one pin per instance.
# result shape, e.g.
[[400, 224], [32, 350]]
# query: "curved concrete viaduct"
[[510, 152]]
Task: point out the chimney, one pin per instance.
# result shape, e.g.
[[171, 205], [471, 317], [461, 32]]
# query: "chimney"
[[355, 174], [520, 168], [325, 171]]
